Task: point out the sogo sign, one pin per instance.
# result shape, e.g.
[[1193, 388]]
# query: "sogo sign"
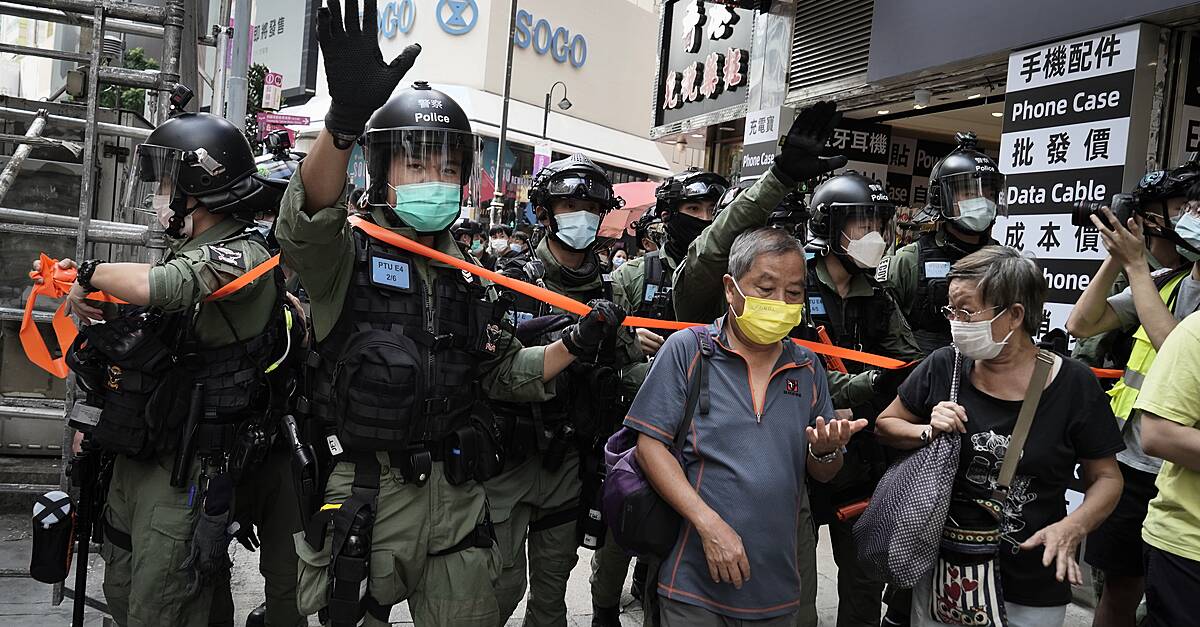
[[545, 38]]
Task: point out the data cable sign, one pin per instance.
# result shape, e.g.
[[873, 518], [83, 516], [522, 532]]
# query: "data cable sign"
[[1071, 128]]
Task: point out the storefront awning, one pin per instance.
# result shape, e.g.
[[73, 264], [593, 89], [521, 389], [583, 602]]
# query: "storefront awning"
[[566, 134]]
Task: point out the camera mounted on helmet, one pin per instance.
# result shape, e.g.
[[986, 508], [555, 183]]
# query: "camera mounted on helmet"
[[966, 187], [792, 215], [575, 178], [196, 156], [420, 152], [853, 218]]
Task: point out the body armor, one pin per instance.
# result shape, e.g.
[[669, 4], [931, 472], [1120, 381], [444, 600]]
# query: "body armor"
[[930, 327], [656, 288], [858, 322], [399, 369]]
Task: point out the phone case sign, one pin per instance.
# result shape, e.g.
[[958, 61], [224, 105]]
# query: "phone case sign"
[[704, 60], [1068, 136]]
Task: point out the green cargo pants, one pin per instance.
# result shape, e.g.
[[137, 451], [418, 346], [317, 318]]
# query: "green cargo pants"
[[529, 502], [144, 587], [411, 524], [610, 565], [267, 499]]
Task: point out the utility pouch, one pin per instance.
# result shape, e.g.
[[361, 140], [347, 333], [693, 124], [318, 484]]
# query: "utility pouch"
[[461, 449], [53, 537], [379, 391]]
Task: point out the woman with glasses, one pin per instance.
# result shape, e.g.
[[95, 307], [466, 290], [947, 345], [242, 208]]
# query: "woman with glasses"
[[995, 307]]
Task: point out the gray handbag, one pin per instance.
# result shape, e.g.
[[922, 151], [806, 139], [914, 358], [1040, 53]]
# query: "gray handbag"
[[899, 533]]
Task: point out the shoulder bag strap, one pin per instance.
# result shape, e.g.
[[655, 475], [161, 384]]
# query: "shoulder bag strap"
[[1033, 395], [694, 389]]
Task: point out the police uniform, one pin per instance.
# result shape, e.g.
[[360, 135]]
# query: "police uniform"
[[148, 523], [417, 340], [535, 503], [916, 278]]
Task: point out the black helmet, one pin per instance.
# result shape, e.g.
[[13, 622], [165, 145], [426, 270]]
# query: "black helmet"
[[792, 215], [692, 184], [465, 226], [967, 179], [203, 156], [418, 121], [846, 198], [573, 177]]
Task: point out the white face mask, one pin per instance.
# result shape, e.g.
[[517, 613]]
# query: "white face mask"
[[976, 214], [1188, 228], [974, 339], [577, 229], [499, 245], [867, 250], [162, 207]]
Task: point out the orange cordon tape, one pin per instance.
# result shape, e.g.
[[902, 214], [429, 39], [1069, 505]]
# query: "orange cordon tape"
[[56, 283]]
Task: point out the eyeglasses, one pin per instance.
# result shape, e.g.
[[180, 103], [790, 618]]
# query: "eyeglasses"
[[963, 315]]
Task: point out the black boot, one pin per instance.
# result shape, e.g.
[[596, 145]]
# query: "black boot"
[[606, 616], [257, 617]]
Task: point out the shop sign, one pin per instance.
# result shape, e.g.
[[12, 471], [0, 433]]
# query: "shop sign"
[[457, 17], [761, 139], [704, 59], [866, 146], [1067, 138], [272, 93], [282, 41], [268, 122], [1187, 121], [558, 41], [541, 156]]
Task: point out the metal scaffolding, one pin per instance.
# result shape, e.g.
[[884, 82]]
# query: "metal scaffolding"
[[96, 17]]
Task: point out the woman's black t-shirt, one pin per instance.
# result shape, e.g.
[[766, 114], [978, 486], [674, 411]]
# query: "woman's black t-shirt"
[[1074, 421]]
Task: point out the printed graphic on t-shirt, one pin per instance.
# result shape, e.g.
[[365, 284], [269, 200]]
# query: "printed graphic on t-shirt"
[[984, 471]]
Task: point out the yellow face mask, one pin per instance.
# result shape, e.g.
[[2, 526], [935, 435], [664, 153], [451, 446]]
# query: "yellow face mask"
[[766, 321]]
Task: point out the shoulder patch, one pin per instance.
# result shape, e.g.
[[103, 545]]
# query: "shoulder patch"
[[227, 256], [881, 271]]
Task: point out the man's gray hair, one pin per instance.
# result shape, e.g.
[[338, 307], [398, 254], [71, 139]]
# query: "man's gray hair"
[[750, 245], [1003, 278]]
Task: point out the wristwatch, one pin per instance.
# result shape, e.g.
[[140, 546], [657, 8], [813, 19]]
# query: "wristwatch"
[[926, 435], [827, 458], [83, 276]]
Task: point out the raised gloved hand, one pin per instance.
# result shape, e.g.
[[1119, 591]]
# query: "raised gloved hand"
[[534, 328], [584, 337], [209, 557], [800, 155], [359, 79]]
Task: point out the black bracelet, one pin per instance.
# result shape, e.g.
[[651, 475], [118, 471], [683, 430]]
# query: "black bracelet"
[[343, 141], [83, 276]]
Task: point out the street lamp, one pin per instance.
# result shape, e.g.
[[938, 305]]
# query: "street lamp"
[[563, 104]]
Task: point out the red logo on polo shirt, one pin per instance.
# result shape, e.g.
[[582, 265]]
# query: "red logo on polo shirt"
[[791, 386]]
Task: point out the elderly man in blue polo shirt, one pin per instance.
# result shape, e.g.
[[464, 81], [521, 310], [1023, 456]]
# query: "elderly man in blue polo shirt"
[[742, 483]]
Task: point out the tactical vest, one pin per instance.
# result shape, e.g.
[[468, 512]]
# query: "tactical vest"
[[858, 322], [574, 414], [400, 368], [930, 328], [143, 368], [1126, 391], [656, 288]]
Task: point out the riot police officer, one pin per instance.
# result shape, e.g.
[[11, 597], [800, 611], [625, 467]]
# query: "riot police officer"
[[179, 371], [685, 205], [554, 446], [851, 224], [406, 349], [966, 191]]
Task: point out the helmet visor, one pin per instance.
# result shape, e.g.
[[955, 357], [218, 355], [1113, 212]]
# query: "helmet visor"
[[703, 189], [152, 179], [967, 193], [581, 185], [854, 222], [403, 157]]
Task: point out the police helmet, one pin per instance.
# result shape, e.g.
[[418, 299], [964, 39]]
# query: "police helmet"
[[966, 179], [573, 177], [849, 202], [691, 185], [731, 195], [202, 156], [792, 215], [430, 130]]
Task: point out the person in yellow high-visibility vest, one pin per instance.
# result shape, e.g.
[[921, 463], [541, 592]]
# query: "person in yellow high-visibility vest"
[[1149, 309]]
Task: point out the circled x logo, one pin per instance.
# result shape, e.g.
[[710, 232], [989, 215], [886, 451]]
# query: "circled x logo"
[[452, 16]]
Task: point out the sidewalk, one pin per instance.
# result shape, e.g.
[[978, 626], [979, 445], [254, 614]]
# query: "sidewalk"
[[26, 603]]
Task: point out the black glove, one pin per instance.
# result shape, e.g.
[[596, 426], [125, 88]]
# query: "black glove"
[[359, 79], [887, 382], [584, 337], [536, 327], [800, 157], [209, 557], [246, 536]]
